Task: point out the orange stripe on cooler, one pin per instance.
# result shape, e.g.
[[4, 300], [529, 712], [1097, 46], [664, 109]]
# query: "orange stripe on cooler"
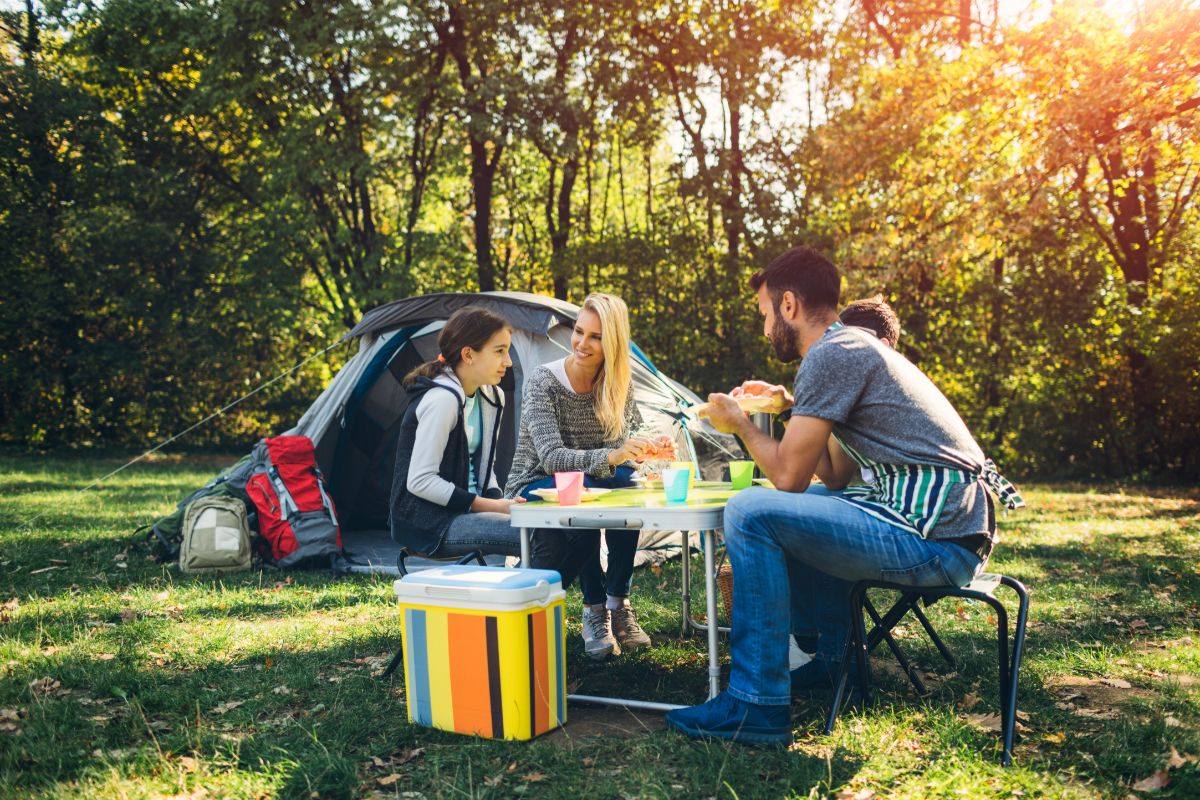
[[469, 689]]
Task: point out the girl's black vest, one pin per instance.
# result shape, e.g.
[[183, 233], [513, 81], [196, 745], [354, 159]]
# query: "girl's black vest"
[[415, 522]]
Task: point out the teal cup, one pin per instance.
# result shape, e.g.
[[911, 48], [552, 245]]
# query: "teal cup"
[[675, 484], [741, 474]]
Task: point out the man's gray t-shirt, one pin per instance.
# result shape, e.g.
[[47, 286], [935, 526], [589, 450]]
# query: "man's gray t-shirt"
[[889, 412]]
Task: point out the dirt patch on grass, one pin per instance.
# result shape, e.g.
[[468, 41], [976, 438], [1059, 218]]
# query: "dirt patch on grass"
[[1085, 694], [584, 721]]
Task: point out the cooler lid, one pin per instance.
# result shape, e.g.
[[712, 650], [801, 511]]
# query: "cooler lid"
[[489, 585]]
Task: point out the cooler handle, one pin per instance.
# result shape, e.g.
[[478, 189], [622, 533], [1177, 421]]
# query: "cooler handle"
[[453, 592]]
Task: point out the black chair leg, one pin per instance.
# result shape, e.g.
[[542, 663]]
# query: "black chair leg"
[[861, 652], [909, 669], [1014, 671], [937, 640], [395, 662], [839, 686]]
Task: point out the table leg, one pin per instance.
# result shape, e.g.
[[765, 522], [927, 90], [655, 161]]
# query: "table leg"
[[687, 585], [525, 557], [710, 597]]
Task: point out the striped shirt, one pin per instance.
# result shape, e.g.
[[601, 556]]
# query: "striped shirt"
[[928, 475]]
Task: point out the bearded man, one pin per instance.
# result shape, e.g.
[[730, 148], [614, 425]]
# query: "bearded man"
[[926, 519]]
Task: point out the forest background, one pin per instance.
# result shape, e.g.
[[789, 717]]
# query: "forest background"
[[197, 194]]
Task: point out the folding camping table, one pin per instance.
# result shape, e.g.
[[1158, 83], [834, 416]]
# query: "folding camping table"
[[638, 509]]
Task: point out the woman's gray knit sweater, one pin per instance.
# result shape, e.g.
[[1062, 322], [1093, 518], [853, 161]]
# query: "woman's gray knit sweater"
[[560, 433]]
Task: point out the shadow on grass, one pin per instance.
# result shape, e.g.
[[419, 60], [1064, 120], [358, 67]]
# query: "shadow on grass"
[[315, 718]]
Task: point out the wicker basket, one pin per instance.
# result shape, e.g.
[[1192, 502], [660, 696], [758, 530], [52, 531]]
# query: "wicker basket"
[[725, 584]]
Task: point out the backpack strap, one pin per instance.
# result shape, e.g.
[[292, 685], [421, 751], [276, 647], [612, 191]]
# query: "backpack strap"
[[287, 505], [325, 501]]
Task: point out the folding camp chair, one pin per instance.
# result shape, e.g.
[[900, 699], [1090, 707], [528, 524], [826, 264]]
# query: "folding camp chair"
[[860, 643], [474, 555]]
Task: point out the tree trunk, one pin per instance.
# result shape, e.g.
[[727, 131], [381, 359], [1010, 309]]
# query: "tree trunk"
[[483, 181]]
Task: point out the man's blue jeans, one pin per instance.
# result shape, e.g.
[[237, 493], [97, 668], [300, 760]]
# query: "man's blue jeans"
[[594, 582], [795, 557]]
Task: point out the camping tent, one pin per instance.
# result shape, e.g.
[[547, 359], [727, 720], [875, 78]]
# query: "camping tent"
[[355, 422]]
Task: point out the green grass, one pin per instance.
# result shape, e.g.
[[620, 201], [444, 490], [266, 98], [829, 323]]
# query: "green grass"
[[122, 678]]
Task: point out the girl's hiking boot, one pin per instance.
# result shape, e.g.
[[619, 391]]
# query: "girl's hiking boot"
[[598, 640], [627, 631]]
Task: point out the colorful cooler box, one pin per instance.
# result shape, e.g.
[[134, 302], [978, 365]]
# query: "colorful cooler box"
[[483, 650]]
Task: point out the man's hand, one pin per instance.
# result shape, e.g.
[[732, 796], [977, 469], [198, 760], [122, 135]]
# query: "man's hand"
[[780, 398], [723, 412]]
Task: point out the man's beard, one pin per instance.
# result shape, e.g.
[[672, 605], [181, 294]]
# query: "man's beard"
[[785, 341]]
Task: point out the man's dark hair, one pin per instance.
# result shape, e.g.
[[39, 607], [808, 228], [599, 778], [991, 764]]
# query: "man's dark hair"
[[804, 272], [875, 315]]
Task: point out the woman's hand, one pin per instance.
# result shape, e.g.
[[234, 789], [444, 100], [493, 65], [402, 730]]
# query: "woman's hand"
[[631, 450], [499, 505], [661, 448]]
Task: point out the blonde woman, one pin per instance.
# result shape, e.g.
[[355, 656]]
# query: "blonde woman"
[[578, 414]]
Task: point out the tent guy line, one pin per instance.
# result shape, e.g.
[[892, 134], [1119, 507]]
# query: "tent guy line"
[[30, 523]]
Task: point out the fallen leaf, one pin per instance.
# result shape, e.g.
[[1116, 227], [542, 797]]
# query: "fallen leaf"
[[493, 780], [11, 714], [1138, 624], [1175, 760], [1117, 683], [512, 767], [852, 794], [106, 656], [968, 701], [988, 722], [1158, 780], [533, 777], [128, 615], [281, 690], [227, 707], [409, 756], [45, 685], [188, 763], [1172, 722], [388, 780], [9, 727]]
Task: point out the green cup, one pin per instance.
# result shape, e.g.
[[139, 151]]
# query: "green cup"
[[741, 474]]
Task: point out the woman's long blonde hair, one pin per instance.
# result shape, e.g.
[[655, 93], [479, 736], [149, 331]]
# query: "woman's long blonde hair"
[[612, 384]]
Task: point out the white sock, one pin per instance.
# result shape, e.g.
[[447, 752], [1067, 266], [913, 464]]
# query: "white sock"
[[614, 603], [796, 657]]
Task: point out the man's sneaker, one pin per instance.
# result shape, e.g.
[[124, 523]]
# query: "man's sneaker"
[[726, 717], [598, 640], [625, 627]]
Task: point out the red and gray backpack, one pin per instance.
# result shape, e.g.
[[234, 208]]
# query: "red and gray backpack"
[[296, 517]]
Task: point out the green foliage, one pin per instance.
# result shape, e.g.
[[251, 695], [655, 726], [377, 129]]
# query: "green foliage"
[[194, 197]]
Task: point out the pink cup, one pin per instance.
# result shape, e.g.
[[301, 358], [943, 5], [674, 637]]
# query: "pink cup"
[[570, 488]]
